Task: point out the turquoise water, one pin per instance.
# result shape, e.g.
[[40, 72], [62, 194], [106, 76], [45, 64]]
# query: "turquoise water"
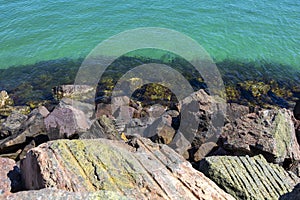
[[35, 30]]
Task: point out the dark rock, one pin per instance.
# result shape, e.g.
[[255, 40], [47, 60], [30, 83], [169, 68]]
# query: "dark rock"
[[269, 132], [33, 129], [141, 170], [295, 194], [249, 178], [12, 124], [297, 110]]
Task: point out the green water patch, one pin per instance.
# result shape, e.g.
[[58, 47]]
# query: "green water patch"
[[259, 83]]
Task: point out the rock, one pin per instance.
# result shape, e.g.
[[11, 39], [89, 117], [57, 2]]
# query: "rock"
[[43, 111], [5, 182], [104, 127], [235, 111], [296, 110], [248, 177], [161, 130], [12, 124], [5, 100], [181, 145], [295, 194], [32, 129], [204, 150], [202, 116], [269, 132], [68, 119], [76, 92], [55, 194], [139, 170]]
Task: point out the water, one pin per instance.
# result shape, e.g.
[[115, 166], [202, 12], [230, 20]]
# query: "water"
[[35, 30]]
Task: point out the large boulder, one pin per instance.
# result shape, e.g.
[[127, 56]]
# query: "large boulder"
[[139, 170], [269, 132], [249, 177]]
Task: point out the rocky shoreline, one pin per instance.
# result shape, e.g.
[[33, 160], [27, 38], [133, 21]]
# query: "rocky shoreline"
[[72, 150]]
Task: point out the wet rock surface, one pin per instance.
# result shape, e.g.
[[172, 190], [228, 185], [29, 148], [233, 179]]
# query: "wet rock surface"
[[249, 177]]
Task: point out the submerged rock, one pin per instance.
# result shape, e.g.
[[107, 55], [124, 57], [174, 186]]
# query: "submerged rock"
[[140, 170], [249, 177], [269, 132]]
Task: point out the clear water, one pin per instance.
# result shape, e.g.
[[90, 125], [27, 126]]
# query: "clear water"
[[41, 30]]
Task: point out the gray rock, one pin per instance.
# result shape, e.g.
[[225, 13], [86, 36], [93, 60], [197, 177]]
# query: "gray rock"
[[249, 177]]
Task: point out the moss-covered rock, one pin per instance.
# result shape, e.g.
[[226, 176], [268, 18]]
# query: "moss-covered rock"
[[249, 177]]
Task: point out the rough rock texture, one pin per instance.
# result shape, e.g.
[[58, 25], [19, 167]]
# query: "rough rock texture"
[[79, 92], [249, 178], [270, 132], [32, 132], [202, 117], [235, 111], [68, 119], [6, 166], [12, 124], [55, 194], [139, 170]]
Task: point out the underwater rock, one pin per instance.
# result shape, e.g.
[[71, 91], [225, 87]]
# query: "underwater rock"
[[249, 177], [139, 170], [267, 132]]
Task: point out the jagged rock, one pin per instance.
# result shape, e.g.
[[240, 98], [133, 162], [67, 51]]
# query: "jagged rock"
[[140, 170], [249, 178], [32, 129], [180, 144], [43, 111], [12, 124], [270, 132], [68, 119], [161, 130], [202, 116], [5, 100], [104, 127], [6, 166], [55, 194], [235, 111], [204, 150]]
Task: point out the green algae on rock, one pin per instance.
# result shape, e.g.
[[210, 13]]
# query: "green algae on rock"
[[249, 177], [140, 170]]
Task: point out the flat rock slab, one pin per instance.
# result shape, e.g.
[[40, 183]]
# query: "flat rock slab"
[[55, 194], [139, 170], [249, 177]]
